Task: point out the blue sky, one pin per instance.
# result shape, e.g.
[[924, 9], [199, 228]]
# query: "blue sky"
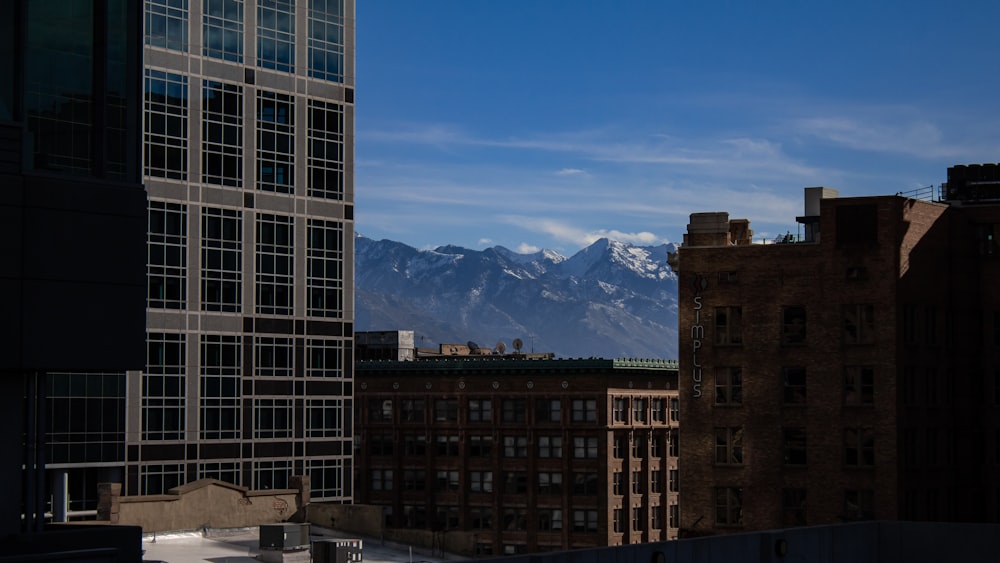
[[551, 123]]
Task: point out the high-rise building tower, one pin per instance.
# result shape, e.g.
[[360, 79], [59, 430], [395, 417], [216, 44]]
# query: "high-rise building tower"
[[248, 161]]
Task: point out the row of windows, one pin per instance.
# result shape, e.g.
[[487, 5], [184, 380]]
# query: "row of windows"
[[858, 446], [484, 518], [223, 32], [509, 482], [222, 262], [858, 385], [644, 409], [578, 447], [858, 323], [638, 442], [329, 477], [859, 504], [480, 410], [639, 520], [164, 387], [638, 482], [166, 150]]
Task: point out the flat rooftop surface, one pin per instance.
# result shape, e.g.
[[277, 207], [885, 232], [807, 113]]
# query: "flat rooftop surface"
[[243, 546]]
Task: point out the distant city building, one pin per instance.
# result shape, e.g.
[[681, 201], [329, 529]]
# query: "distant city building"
[[852, 373], [522, 455], [248, 160], [72, 224]]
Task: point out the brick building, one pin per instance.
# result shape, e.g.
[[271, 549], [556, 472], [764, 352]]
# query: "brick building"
[[852, 373], [523, 455]]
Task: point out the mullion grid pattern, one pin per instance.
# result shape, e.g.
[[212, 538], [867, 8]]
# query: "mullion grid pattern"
[[271, 474], [275, 261], [85, 415], [326, 40], [272, 418], [228, 471], [222, 134], [275, 142], [223, 30], [325, 275], [158, 479], [220, 387], [325, 358], [326, 150], [329, 478], [166, 125], [163, 387], [325, 418], [167, 24], [276, 35], [221, 259], [273, 357], [166, 264]]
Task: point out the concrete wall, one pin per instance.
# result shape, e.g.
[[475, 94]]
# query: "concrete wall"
[[367, 520], [206, 503]]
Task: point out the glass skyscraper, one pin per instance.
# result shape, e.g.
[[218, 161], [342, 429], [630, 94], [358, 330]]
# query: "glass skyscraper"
[[248, 149]]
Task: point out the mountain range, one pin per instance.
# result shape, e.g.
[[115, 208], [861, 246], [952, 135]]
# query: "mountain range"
[[610, 300]]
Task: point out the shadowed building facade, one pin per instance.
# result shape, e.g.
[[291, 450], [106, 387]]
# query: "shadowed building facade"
[[852, 374], [522, 455]]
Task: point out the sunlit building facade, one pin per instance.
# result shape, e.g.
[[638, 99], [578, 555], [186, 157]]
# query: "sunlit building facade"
[[248, 160]]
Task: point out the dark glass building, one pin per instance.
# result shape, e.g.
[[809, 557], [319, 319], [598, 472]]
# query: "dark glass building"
[[72, 218]]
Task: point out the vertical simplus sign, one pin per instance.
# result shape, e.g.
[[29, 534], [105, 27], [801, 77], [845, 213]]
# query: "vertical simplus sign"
[[698, 283]]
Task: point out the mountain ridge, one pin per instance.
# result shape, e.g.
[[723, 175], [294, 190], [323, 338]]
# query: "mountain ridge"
[[611, 299]]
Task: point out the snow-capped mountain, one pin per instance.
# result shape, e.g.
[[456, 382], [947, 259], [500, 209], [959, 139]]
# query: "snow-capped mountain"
[[610, 300]]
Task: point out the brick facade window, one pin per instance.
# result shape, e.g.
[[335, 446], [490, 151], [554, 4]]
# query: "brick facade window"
[[728, 386], [793, 325], [728, 506], [729, 446], [657, 410], [859, 324], [794, 446], [859, 504], [480, 410], [618, 407], [859, 447], [859, 385], [794, 385], [728, 326], [793, 503]]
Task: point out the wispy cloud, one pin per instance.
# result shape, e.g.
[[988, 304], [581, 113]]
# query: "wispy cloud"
[[570, 172], [525, 248]]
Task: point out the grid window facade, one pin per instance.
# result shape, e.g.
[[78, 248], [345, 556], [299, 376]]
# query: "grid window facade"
[[794, 446], [276, 35], [326, 150], [793, 503], [859, 504], [657, 411], [794, 384], [273, 356], [329, 478], [325, 275], [584, 520], [793, 325], [275, 260], [548, 410], [326, 40], [550, 519], [158, 479], [85, 413], [446, 446], [381, 479], [514, 410], [166, 264], [550, 483], [221, 260], [220, 387], [515, 446], [222, 134], [446, 410], [167, 24], [271, 474], [228, 471], [272, 418], [223, 30], [639, 410], [325, 418], [275, 142], [163, 388], [481, 481], [166, 125], [324, 358]]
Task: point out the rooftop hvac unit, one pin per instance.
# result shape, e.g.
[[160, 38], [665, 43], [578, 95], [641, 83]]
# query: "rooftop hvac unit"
[[284, 537]]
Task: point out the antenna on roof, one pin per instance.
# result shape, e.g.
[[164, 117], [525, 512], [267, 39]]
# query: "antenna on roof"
[[500, 348], [517, 345]]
